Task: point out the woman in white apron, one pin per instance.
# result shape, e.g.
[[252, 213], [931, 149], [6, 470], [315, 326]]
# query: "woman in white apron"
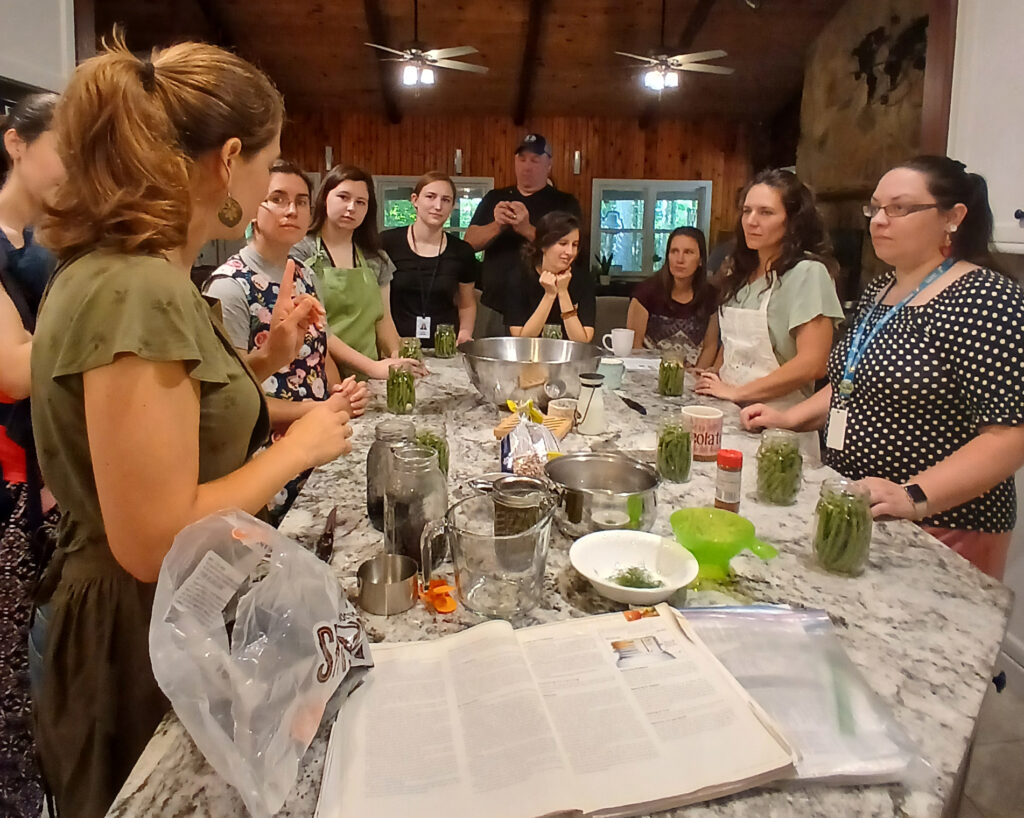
[[779, 304]]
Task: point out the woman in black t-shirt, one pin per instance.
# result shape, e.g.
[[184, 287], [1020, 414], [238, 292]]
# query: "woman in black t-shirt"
[[548, 291], [435, 271], [927, 408]]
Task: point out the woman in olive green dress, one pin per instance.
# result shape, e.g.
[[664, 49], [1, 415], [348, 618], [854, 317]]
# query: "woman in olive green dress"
[[145, 417]]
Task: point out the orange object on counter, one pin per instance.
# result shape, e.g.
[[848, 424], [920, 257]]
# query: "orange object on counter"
[[438, 595]]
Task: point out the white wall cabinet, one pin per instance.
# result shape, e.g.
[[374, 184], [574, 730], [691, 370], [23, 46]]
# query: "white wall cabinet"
[[986, 119], [37, 42]]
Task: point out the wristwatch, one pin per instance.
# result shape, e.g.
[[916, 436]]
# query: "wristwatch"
[[918, 498]]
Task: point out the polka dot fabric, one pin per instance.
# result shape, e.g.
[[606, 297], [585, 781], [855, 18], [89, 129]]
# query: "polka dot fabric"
[[933, 375]]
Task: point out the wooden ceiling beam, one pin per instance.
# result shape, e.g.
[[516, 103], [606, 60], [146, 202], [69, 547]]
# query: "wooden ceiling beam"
[[531, 57], [694, 23], [377, 25]]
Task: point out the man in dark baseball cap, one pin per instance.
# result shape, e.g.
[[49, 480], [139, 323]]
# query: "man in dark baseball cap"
[[534, 143], [505, 218]]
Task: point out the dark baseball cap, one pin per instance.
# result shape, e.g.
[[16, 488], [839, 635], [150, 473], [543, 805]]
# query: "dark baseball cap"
[[534, 143]]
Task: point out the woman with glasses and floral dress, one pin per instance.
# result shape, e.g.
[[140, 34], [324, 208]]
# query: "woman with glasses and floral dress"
[[925, 401], [247, 286]]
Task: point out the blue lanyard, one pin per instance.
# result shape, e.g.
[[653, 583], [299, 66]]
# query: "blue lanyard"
[[859, 343]]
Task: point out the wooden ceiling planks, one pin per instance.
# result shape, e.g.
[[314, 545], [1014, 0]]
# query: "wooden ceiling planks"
[[314, 51]]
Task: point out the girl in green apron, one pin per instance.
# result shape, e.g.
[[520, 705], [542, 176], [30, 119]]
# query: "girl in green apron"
[[353, 275]]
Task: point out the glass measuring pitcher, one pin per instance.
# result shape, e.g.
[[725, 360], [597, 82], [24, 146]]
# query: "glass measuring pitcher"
[[497, 575]]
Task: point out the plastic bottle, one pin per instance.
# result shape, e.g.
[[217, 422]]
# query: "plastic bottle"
[[727, 483]]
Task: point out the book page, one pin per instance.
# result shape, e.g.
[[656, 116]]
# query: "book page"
[[457, 723], [644, 713]]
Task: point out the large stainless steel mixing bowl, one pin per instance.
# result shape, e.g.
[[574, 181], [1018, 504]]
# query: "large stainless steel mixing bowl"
[[540, 369]]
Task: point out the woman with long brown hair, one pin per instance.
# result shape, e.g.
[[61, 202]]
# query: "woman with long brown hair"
[[145, 417], [778, 309], [675, 307], [546, 291], [353, 273]]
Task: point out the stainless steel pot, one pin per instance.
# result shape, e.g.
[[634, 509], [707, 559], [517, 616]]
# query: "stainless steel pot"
[[540, 369], [603, 490]]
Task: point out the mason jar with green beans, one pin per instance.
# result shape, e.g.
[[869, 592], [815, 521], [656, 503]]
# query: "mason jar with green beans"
[[670, 375], [779, 467], [552, 331], [435, 437], [401, 389], [842, 526], [411, 348], [444, 341], [675, 452]]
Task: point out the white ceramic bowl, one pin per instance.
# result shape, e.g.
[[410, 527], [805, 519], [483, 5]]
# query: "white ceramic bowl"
[[602, 554]]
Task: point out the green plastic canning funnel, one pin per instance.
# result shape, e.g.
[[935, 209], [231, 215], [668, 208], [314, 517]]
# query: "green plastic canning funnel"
[[714, 536]]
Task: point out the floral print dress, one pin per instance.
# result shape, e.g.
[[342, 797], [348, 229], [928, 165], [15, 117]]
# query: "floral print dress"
[[305, 378]]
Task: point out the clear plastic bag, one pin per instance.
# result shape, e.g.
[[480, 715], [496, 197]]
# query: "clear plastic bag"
[[251, 636]]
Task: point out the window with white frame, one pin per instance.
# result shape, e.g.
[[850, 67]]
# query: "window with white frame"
[[631, 219], [395, 210]]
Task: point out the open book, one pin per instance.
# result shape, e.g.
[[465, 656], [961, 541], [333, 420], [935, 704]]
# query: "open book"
[[613, 715]]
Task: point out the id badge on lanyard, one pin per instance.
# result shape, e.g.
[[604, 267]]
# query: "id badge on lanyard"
[[862, 337], [423, 327]]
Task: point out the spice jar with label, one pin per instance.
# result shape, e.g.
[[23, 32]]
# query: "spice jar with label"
[[388, 434], [727, 483]]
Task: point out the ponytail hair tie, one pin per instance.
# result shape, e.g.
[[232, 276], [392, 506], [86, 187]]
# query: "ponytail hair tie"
[[147, 73]]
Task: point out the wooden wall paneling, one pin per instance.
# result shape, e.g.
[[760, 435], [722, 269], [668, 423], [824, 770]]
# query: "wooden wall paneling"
[[611, 148]]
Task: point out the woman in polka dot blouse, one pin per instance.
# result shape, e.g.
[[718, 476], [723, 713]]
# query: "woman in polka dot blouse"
[[925, 402]]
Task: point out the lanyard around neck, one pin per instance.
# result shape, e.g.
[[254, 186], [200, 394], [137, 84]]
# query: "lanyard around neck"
[[862, 338], [425, 295]]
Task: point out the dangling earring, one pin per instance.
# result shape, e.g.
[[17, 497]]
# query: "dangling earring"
[[230, 213], [947, 242]]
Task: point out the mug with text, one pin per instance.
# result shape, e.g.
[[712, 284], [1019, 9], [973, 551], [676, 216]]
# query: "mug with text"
[[705, 431], [619, 342]]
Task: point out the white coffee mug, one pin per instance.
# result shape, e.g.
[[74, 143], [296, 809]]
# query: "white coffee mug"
[[619, 342]]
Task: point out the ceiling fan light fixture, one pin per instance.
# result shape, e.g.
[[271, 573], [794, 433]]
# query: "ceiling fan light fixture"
[[427, 76], [671, 79], [654, 79], [410, 75]]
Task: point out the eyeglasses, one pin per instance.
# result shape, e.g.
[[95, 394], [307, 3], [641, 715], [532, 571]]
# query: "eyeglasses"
[[896, 211], [278, 201]]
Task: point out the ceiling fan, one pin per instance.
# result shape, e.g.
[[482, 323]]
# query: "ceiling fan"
[[421, 61], [663, 69]]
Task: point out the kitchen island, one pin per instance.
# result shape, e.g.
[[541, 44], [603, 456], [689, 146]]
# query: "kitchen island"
[[921, 623]]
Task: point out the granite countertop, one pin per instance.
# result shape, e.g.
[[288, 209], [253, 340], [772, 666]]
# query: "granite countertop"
[[922, 624]]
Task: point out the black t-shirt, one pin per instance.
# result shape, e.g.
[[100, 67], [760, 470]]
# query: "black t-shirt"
[[504, 256], [427, 285], [526, 295]]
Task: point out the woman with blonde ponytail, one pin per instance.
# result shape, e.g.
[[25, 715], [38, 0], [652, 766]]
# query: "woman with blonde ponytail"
[[145, 417]]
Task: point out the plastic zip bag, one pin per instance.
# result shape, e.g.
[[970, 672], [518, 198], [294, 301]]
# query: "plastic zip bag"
[[250, 638]]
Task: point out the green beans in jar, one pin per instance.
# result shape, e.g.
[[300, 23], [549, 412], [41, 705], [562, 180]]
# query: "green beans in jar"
[[670, 376], [842, 527], [411, 348], [779, 467], [437, 442], [675, 451], [401, 390], [444, 341]]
